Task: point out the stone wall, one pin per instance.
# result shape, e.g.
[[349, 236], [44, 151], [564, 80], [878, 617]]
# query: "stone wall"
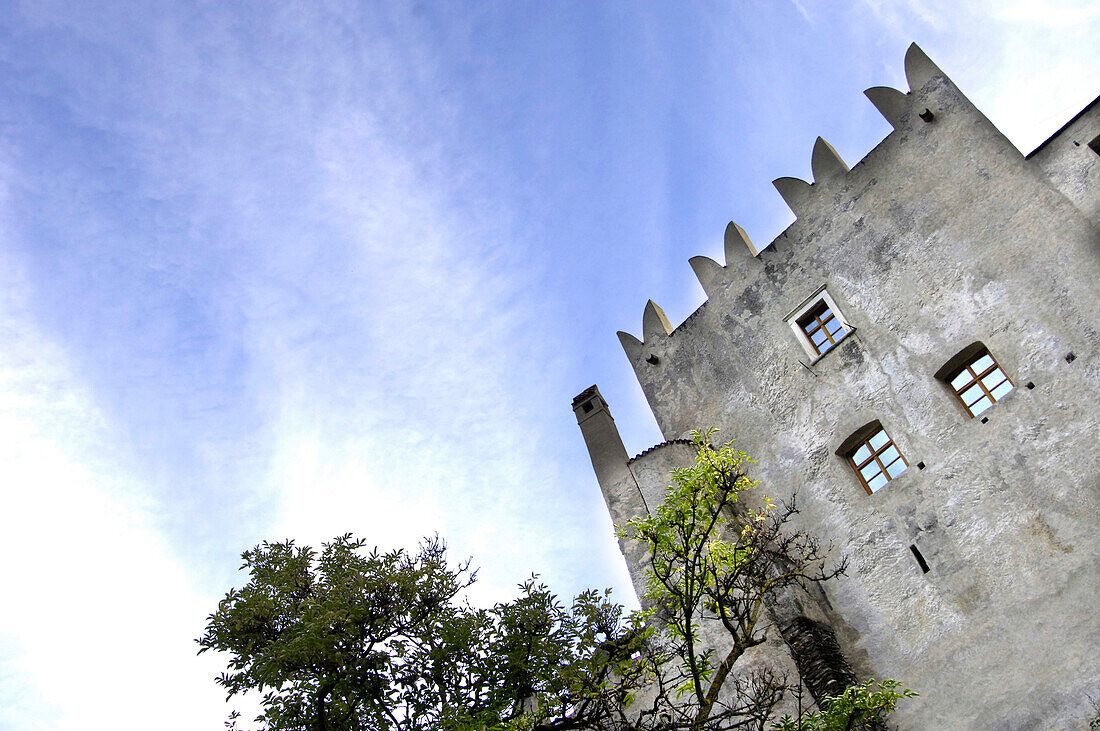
[[1065, 160]]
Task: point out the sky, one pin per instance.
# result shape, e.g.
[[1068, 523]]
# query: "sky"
[[291, 270]]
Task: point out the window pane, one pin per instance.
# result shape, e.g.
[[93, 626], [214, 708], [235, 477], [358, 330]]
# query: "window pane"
[[825, 314], [1000, 391], [879, 439], [982, 363], [889, 455], [983, 404], [861, 455], [818, 337], [961, 380], [876, 483], [972, 394], [896, 468], [994, 379], [833, 326], [822, 349], [870, 470]]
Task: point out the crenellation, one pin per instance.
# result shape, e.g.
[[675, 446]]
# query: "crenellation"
[[735, 241], [826, 162], [804, 198], [796, 193], [891, 104], [633, 347], [711, 274], [919, 69], [655, 324], [741, 256]]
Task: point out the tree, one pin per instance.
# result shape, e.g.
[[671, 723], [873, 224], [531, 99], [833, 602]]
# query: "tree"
[[717, 563], [349, 641], [863, 705]]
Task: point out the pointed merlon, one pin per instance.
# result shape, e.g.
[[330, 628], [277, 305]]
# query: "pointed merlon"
[[655, 324], [736, 241], [890, 103], [919, 69], [632, 346], [826, 161], [795, 192], [709, 273]]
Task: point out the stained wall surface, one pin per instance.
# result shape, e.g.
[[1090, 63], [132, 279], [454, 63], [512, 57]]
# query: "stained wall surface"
[[1063, 160], [944, 235]]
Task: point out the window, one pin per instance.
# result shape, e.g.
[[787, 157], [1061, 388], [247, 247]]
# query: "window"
[[818, 324], [976, 379], [1095, 145], [822, 327], [874, 456]]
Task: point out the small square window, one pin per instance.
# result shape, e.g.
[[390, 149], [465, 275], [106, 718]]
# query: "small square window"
[[818, 324], [976, 379], [822, 327], [874, 457]]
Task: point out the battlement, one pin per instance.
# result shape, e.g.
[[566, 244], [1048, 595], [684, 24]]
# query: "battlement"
[[829, 189]]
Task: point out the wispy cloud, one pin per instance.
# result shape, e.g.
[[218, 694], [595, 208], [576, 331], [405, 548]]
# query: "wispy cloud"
[[96, 599], [298, 270], [282, 317], [1062, 15], [997, 67]]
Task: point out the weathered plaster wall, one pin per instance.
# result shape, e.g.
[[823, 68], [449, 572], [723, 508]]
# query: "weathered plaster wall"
[[1070, 164], [651, 468], [942, 235]]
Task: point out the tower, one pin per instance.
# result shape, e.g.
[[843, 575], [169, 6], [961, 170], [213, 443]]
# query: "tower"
[[916, 357]]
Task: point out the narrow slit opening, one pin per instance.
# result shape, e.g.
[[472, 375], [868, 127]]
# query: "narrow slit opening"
[[920, 559]]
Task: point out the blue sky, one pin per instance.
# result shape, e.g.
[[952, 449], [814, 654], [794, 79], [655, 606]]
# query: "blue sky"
[[294, 269]]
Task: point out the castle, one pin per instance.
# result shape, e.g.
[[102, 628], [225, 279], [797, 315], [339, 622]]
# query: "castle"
[[916, 357]]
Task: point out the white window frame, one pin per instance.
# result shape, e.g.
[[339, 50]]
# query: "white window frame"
[[792, 318]]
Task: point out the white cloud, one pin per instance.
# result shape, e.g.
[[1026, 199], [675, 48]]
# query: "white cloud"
[[355, 254], [98, 615], [329, 486], [1060, 15], [1028, 65]]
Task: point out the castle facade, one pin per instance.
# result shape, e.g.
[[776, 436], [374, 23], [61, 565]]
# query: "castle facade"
[[918, 358]]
